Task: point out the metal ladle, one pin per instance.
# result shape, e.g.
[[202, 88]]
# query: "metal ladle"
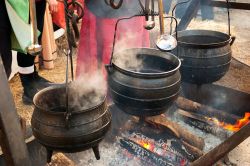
[[150, 24], [165, 42]]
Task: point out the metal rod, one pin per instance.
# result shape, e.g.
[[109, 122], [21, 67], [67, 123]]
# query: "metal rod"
[[69, 36], [228, 18], [218, 152], [161, 19], [232, 5]]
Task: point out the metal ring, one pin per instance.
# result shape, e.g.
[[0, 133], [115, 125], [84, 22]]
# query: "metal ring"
[[115, 5]]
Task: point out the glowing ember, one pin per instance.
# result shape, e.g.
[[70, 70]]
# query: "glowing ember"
[[235, 127], [147, 145], [158, 152]]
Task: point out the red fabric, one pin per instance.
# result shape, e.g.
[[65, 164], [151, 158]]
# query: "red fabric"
[[99, 32], [58, 17]]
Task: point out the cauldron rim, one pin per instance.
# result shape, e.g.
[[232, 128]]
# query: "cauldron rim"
[[227, 38], [149, 75], [59, 113]]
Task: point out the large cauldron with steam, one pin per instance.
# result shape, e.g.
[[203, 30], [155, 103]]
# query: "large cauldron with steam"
[[144, 81], [80, 127]]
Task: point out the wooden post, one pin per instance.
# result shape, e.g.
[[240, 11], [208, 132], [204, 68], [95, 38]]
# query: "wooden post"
[[48, 41], [12, 137]]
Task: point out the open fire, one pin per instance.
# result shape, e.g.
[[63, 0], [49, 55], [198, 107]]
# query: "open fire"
[[232, 127], [184, 135], [154, 152]]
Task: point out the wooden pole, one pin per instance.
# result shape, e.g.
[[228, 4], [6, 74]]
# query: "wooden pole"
[[48, 41], [11, 133]]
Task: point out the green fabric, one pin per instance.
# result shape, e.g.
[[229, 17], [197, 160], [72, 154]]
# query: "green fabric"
[[22, 8], [18, 12]]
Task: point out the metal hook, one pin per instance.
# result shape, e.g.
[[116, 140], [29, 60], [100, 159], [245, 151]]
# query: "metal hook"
[[115, 5]]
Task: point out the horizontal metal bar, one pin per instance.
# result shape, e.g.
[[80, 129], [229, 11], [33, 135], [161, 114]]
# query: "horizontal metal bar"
[[232, 5], [220, 151]]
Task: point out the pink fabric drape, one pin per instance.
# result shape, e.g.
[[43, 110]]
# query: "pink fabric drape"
[[96, 38]]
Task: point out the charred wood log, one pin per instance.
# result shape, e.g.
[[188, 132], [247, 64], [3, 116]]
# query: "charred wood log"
[[149, 156], [191, 106], [177, 130], [196, 152], [190, 152], [201, 123]]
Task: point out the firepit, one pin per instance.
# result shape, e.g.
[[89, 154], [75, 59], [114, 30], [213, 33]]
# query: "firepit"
[[85, 128], [188, 134]]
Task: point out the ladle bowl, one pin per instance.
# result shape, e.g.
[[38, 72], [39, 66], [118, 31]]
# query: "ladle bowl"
[[166, 42]]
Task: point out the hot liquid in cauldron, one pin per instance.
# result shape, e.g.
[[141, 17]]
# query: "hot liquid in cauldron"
[[148, 64], [77, 101]]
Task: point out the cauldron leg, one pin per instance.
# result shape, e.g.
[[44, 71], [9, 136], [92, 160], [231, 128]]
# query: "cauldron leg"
[[49, 155], [96, 152]]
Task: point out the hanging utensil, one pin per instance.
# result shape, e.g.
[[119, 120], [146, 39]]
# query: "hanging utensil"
[[69, 58], [165, 42], [150, 24]]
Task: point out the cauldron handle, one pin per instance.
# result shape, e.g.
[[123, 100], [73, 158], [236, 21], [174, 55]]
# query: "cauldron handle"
[[176, 23], [116, 24], [68, 111], [232, 40], [228, 16], [127, 18]]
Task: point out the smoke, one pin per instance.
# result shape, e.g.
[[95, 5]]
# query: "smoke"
[[211, 141], [87, 91], [124, 55], [128, 60]]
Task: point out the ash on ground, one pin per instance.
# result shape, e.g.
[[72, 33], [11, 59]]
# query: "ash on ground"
[[211, 141]]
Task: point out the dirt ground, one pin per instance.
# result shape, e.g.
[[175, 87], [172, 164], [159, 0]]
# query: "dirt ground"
[[240, 21]]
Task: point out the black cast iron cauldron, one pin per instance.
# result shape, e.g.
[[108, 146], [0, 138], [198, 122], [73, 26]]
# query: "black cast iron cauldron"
[[205, 54], [144, 81], [86, 126]]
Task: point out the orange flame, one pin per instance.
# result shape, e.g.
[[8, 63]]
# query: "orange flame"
[[235, 127], [145, 144]]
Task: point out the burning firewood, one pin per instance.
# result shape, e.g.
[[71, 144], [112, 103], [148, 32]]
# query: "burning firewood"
[[181, 133], [191, 106], [168, 159], [203, 124], [196, 152], [169, 139]]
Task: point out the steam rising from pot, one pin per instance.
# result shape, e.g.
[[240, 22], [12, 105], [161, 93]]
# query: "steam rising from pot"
[[127, 60], [87, 91]]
